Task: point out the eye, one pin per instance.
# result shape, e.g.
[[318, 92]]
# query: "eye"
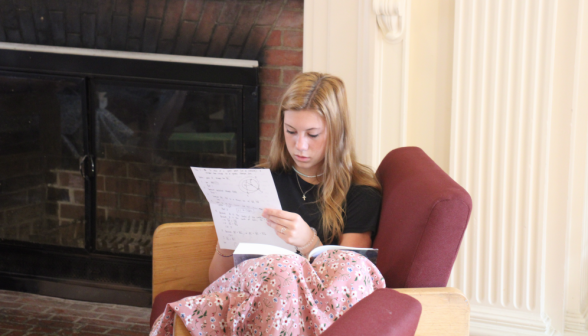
[[313, 135], [290, 132]]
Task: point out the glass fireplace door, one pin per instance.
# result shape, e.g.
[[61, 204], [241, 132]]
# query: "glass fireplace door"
[[42, 132], [146, 140]]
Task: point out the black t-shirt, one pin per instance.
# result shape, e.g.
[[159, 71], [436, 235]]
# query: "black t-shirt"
[[362, 208]]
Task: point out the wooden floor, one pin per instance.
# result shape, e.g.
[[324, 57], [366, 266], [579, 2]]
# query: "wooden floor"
[[23, 314]]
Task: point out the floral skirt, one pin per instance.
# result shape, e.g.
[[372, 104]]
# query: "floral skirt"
[[276, 295]]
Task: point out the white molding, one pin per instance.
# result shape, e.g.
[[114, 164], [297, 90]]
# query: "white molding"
[[502, 108], [367, 104], [576, 323], [392, 18], [576, 319], [404, 79], [130, 55], [485, 320]]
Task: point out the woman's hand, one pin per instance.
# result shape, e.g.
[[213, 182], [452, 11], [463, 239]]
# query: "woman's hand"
[[289, 226]]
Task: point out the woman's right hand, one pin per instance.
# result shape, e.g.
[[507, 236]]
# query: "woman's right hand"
[[290, 227]]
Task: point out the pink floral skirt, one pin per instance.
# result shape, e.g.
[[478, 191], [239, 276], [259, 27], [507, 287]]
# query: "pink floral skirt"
[[276, 295]]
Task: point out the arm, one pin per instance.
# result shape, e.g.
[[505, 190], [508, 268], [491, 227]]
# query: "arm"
[[356, 239], [297, 232], [219, 264]]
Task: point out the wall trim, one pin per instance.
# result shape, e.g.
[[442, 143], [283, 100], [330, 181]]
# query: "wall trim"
[[486, 320], [576, 322], [576, 316], [130, 55]]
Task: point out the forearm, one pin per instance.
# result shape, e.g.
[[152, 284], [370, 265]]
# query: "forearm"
[[220, 265], [307, 250]]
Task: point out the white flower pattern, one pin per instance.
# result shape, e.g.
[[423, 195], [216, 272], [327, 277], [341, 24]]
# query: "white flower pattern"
[[259, 296]]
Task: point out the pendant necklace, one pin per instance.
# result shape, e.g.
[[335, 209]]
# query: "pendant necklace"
[[303, 192]]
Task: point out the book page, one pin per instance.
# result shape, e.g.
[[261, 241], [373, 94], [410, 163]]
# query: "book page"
[[246, 251], [368, 252], [237, 198]]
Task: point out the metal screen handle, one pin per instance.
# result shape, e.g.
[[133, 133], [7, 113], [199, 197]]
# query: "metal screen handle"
[[83, 166]]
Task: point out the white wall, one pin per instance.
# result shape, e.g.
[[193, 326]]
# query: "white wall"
[[496, 92], [341, 37], [429, 84]]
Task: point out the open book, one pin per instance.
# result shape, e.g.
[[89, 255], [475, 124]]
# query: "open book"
[[246, 251]]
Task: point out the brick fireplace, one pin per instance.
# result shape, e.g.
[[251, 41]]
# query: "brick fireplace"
[[146, 192]]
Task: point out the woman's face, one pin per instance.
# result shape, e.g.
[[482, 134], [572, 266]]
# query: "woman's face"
[[306, 139]]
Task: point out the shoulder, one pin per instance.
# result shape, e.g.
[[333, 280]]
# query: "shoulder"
[[363, 192], [281, 174]]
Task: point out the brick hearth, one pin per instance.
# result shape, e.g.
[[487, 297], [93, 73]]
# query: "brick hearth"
[[23, 314]]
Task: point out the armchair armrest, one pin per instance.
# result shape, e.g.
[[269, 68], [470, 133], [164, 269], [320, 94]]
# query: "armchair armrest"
[[446, 311], [384, 312], [183, 251]]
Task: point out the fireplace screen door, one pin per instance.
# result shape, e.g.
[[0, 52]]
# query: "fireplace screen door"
[[95, 154], [42, 137], [146, 139]]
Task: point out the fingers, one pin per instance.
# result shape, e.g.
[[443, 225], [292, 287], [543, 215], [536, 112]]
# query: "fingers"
[[287, 225], [280, 230], [276, 226], [280, 221], [278, 213]]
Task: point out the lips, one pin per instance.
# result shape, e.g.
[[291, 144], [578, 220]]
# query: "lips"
[[302, 158]]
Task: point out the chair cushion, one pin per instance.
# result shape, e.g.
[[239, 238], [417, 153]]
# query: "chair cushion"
[[384, 312], [163, 298], [423, 219]]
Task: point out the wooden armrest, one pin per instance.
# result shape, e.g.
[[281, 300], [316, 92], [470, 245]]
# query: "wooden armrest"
[[183, 251], [446, 311]]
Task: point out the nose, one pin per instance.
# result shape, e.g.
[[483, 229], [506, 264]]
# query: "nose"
[[301, 143]]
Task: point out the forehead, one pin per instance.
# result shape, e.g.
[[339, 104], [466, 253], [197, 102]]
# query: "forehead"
[[304, 119]]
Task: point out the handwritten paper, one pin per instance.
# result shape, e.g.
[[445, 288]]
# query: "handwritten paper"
[[237, 198]]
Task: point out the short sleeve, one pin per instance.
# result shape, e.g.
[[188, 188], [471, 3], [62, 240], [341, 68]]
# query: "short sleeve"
[[362, 211]]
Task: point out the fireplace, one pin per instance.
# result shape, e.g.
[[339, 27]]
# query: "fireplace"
[[95, 150]]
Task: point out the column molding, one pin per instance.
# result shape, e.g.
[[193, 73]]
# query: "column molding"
[[576, 319]]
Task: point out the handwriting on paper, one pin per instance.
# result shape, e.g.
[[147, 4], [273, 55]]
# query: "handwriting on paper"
[[237, 198]]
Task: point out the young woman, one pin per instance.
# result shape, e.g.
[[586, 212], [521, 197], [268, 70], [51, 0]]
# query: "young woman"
[[328, 198]]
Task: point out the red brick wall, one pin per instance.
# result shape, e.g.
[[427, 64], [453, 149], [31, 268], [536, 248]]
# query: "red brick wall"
[[22, 193], [282, 60], [33, 205]]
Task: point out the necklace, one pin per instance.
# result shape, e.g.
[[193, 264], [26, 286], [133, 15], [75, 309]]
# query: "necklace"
[[303, 192], [299, 173]]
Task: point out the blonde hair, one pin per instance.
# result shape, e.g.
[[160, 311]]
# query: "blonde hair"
[[326, 95]]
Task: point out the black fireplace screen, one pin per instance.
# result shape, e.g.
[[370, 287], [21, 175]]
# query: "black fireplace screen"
[[146, 140], [41, 136], [91, 164]]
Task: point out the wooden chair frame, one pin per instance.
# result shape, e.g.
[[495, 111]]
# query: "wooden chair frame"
[[182, 253]]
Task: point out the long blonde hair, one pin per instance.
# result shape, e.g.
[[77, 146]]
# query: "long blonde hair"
[[326, 95]]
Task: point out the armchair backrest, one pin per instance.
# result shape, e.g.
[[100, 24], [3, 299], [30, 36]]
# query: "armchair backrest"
[[423, 218]]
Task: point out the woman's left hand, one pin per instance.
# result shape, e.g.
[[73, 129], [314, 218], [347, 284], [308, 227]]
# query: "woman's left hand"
[[289, 226]]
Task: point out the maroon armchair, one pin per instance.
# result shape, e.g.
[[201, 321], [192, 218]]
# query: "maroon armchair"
[[423, 218]]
